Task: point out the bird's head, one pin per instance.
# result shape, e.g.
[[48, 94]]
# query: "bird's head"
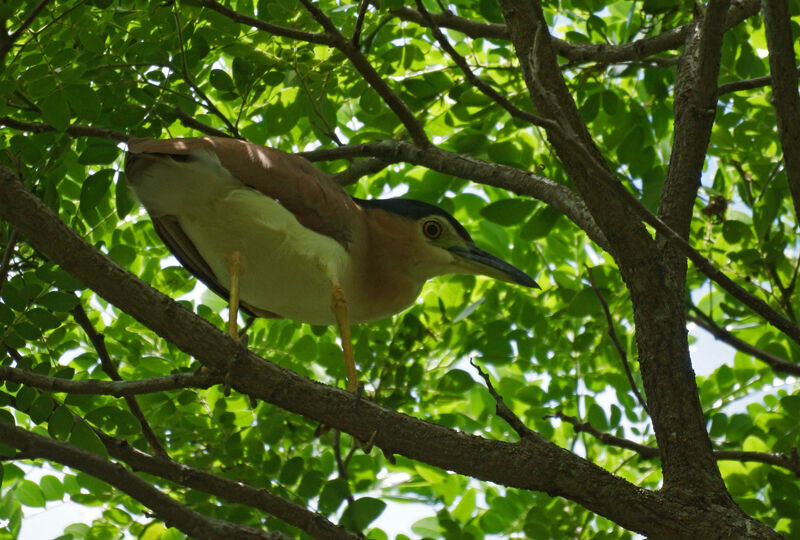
[[431, 242]]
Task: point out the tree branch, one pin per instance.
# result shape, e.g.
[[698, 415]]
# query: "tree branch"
[[515, 180], [484, 87], [688, 465], [170, 511], [209, 105], [8, 40], [360, 62], [790, 462], [98, 341], [74, 130], [234, 492], [637, 50], [192, 122], [695, 109], [116, 388], [748, 84], [359, 169], [782, 62], [504, 412], [779, 365], [529, 464], [283, 31], [612, 333]]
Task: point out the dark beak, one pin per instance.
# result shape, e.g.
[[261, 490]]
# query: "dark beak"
[[474, 260]]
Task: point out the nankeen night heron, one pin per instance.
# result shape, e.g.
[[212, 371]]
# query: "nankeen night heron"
[[272, 233]]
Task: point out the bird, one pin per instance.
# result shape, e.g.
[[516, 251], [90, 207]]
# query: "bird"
[[279, 238]]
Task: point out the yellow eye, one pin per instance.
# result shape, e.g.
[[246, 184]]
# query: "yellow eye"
[[432, 229]]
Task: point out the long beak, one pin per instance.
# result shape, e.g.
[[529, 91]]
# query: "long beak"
[[474, 260]]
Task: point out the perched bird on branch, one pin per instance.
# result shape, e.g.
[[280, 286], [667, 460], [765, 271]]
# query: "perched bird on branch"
[[275, 235]]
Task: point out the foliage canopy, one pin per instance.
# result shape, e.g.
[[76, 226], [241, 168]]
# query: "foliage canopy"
[[541, 148]]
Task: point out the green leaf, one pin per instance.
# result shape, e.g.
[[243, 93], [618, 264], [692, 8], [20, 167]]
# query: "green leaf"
[[58, 301], [29, 494], [291, 471], [55, 110], [60, 423], [83, 101], [508, 212], [359, 514], [84, 437], [94, 189], [332, 496], [540, 224], [51, 488], [221, 80]]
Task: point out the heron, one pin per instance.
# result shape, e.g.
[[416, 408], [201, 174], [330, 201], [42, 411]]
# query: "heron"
[[280, 238]]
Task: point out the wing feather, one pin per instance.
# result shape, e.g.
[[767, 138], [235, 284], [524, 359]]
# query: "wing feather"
[[316, 200]]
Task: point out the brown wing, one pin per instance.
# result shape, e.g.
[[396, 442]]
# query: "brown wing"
[[317, 201], [170, 231]]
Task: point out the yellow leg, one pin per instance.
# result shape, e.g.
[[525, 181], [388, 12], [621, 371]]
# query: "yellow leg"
[[235, 270], [339, 307]]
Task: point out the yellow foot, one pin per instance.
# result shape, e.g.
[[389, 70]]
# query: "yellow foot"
[[339, 308]]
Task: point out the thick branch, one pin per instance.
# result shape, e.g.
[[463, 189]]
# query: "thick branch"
[[529, 464], [669, 383], [695, 108], [234, 492], [170, 511], [517, 181], [778, 27], [637, 50]]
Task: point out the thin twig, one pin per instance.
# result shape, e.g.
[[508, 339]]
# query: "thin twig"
[[777, 363], [790, 461], [74, 130], [364, 67], [341, 465], [477, 82], [99, 343], [747, 84], [503, 411], [114, 388], [359, 169], [8, 40], [362, 11], [283, 31], [192, 122], [612, 333], [188, 78], [7, 254]]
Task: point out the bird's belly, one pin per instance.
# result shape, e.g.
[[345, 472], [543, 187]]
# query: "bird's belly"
[[287, 269]]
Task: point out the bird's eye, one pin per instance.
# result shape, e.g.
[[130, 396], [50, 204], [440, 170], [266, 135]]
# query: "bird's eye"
[[432, 229]]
